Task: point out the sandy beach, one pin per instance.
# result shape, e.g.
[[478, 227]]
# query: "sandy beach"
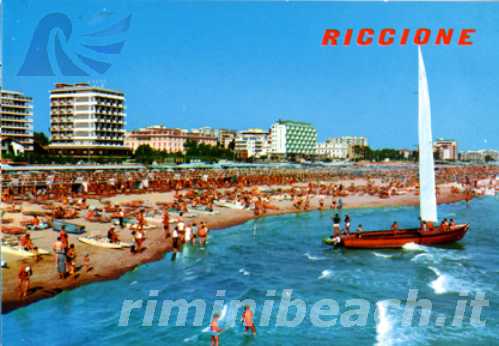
[[106, 264]]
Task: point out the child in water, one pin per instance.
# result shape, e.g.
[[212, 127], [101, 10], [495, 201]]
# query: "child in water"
[[214, 328]]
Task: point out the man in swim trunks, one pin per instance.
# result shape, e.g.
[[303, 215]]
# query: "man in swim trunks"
[[247, 320], [336, 225], [215, 329]]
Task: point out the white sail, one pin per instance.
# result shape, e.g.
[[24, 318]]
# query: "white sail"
[[427, 196]]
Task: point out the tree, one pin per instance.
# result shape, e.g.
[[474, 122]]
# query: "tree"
[[144, 154], [489, 158]]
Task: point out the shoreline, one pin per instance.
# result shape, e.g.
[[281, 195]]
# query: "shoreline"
[[45, 283]]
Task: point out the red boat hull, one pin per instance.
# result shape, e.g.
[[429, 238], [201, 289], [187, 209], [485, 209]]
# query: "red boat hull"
[[397, 239]]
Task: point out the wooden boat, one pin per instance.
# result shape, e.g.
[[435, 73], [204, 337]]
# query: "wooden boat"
[[427, 193], [17, 250], [68, 227], [103, 242], [397, 239], [12, 229]]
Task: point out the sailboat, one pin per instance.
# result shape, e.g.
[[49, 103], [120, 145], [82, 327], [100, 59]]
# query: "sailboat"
[[427, 235]]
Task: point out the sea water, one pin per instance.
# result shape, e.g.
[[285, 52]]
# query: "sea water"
[[284, 255]]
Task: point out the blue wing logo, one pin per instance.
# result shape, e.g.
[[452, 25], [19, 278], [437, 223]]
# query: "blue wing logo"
[[87, 58]]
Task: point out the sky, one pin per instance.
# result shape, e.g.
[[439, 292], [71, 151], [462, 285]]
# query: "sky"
[[246, 64]]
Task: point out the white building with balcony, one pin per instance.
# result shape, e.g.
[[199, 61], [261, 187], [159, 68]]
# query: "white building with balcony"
[[252, 143], [87, 120], [16, 113]]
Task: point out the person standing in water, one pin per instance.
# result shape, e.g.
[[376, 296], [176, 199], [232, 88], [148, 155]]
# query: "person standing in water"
[[215, 329], [347, 224], [247, 320], [336, 225]]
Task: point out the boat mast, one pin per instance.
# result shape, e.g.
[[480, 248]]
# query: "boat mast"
[[427, 192]]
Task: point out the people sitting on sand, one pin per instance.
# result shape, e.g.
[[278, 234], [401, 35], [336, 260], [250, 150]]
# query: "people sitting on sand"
[[25, 242], [112, 235]]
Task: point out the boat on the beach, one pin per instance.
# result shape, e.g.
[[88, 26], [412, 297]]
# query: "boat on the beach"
[[427, 235], [71, 228], [230, 205], [18, 250], [103, 242]]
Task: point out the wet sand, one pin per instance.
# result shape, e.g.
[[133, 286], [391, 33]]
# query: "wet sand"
[[109, 264]]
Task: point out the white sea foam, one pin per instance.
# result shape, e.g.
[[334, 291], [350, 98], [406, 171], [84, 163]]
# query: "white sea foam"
[[422, 257], [414, 247], [444, 283], [377, 254], [313, 258], [384, 324], [326, 274], [244, 272]]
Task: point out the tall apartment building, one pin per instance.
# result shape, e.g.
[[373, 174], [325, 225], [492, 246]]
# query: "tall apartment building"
[[252, 143], [166, 139], [87, 121], [16, 118], [293, 138], [446, 149]]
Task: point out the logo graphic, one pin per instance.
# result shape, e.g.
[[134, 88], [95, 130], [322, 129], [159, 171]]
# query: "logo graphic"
[[38, 58]]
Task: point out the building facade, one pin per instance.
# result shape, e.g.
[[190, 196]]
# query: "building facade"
[[446, 149], [16, 113], [87, 121], [332, 150], [252, 143], [226, 137], [480, 155], [342, 147], [293, 138], [165, 139]]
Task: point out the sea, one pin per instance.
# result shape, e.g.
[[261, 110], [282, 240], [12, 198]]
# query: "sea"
[[301, 291]]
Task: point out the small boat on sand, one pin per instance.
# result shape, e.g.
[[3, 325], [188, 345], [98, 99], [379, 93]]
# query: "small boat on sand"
[[230, 205], [71, 228], [103, 242], [18, 250]]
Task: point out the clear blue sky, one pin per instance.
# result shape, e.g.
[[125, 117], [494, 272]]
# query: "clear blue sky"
[[239, 65]]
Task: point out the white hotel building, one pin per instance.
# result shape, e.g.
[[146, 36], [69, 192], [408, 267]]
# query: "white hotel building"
[[252, 143], [16, 123], [87, 121]]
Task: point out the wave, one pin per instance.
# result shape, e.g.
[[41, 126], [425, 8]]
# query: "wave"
[[244, 272], [313, 258], [444, 283], [326, 274], [377, 254], [422, 256], [414, 247]]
